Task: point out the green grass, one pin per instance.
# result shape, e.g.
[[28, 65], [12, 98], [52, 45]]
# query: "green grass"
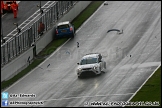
[[84, 15], [51, 47], [151, 91]]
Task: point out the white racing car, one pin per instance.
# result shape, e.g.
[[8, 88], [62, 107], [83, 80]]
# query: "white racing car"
[[91, 63]]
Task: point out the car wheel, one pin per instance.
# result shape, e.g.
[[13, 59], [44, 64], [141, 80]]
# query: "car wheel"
[[100, 70], [4, 11], [103, 71], [72, 35], [54, 37], [105, 65], [54, 34]]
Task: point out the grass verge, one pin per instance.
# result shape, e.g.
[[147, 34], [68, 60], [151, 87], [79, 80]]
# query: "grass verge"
[[51, 47], [150, 93]]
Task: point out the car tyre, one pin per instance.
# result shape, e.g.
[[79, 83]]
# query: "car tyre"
[[54, 37], [105, 65], [72, 35], [54, 34], [3, 11], [100, 70]]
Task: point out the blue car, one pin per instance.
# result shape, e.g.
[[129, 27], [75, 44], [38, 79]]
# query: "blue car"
[[64, 29]]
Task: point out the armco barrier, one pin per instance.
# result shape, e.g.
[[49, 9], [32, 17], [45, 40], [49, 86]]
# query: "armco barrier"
[[21, 62]]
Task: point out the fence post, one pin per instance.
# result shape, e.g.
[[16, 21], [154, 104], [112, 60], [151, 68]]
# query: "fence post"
[[57, 12], [29, 39], [8, 52], [4, 60], [12, 48]]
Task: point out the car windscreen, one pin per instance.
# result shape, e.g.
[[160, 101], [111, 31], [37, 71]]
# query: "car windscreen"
[[90, 60], [63, 26]]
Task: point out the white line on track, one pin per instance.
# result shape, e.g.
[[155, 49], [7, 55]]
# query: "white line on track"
[[140, 65], [143, 84], [55, 51], [88, 96]]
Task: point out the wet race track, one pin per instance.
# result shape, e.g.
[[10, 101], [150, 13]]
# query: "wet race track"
[[131, 57]]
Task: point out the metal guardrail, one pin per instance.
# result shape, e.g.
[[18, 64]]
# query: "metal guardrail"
[[24, 40]]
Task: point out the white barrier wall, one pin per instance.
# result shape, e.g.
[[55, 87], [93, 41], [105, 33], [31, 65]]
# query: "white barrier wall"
[[20, 63], [16, 65]]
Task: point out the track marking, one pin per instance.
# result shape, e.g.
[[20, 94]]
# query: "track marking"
[[87, 96], [143, 84], [138, 65]]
